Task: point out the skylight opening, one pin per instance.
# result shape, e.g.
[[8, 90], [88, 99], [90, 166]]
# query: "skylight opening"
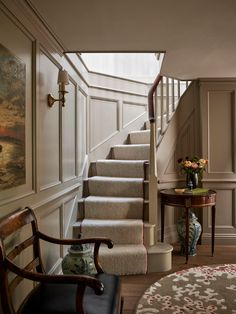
[[142, 67]]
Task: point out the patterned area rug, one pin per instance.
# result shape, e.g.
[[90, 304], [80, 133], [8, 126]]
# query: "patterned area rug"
[[203, 289]]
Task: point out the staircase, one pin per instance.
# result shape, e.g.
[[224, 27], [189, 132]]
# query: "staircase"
[[115, 205]]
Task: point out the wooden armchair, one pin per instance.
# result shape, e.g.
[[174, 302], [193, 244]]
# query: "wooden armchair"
[[69, 294]]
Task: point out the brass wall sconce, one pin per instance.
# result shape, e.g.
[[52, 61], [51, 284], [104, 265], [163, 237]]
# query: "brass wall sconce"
[[63, 79]]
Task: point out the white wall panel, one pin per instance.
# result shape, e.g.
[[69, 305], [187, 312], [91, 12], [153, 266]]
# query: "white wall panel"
[[218, 145], [131, 111], [50, 225], [221, 114], [81, 130], [103, 120], [68, 211], [48, 125], [68, 134], [224, 210]]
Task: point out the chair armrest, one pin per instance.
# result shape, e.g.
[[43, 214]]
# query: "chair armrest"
[[96, 241], [80, 280]]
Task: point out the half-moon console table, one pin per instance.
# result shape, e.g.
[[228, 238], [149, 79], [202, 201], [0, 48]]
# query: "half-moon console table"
[[189, 200]]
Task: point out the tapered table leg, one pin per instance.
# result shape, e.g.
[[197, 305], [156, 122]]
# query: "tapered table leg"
[[213, 218]]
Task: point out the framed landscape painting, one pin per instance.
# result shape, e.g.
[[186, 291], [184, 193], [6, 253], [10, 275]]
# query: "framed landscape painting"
[[16, 112], [12, 120]]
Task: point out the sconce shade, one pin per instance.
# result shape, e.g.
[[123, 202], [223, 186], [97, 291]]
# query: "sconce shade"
[[63, 77]]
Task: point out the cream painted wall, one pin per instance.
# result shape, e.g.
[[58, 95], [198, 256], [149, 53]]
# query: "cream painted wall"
[[54, 162], [181, 139], [61, 141], [218, 135], [204, 125]]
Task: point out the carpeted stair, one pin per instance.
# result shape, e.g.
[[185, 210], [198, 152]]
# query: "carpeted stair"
[[114, 205]]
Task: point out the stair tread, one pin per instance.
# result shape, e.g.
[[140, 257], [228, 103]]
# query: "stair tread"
[[93, 198], [115, 179], [110, 222], [121, 161], [130, 146], [139, 131], [119, 248]]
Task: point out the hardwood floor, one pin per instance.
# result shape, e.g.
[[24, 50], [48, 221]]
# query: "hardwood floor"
[[134, 286]]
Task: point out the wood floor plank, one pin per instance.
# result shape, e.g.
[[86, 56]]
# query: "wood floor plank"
[[134, 286]]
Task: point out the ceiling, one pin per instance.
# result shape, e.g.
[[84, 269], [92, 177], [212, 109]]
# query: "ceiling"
[[198, 36]]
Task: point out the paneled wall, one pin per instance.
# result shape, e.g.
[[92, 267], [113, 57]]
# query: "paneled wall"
[[218, 137], [54, 159], [116, 107], [61, 141], [204, 125], [181, 139]]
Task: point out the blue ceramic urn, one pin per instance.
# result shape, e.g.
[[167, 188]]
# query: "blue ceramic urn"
[[79, 260], [195, 230]]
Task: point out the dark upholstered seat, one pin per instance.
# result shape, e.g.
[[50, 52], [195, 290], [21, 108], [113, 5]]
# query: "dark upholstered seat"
[[61, 298], [53, 294]]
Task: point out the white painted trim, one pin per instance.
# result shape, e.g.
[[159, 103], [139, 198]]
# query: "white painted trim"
[[117, 91], [136, 118], [59, 194]]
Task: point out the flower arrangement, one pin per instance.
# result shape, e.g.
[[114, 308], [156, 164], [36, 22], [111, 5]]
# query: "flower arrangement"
[[192, 165]]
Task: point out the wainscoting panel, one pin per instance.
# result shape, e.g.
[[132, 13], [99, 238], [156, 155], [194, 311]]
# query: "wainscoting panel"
[[218, 128], [131, 111], [68, 212], [224, 210], [180, 138], [81, 130], [48, 125], [225, 225], [221, 108], [217, 99], [103, 120], [50, 225], [69, 134]]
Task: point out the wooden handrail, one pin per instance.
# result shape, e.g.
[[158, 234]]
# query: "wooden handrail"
[[151, 114]]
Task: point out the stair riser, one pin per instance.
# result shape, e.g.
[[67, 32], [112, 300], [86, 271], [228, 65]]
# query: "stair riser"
[[122, 189], [120, 234], [139, 138], [127, 261], [130, 153], [114, 210], [130, 170]]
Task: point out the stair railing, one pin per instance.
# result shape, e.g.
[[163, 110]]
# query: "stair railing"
[[163, 98], [152, 187]]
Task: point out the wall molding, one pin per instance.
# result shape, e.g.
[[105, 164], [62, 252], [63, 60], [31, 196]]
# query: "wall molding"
[[112, 134], [126, 92], [57, 195]]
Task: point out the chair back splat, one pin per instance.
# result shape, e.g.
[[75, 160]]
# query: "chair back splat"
[[51, 294]]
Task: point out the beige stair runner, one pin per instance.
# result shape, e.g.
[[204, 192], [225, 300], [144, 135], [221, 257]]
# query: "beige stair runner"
[[114, 206]]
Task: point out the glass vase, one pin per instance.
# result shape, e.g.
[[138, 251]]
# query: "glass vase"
[[192, 180]]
